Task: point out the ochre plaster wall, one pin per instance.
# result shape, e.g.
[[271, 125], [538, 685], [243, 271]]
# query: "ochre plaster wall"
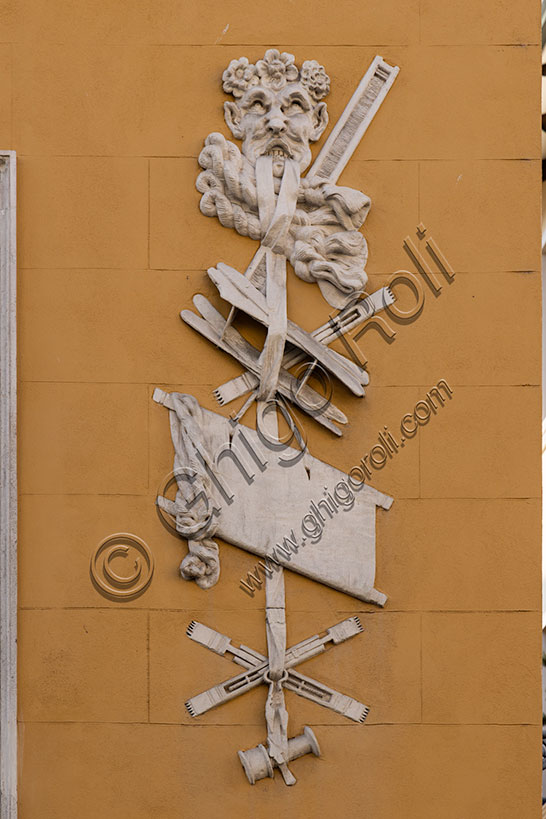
[[107, 105]]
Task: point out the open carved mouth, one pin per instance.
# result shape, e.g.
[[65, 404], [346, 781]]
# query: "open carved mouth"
[[278, 150]]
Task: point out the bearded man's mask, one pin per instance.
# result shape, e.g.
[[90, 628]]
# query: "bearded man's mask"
[[277, 110]]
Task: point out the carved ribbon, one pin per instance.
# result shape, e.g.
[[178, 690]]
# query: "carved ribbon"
[[276, 715], [275, 220]]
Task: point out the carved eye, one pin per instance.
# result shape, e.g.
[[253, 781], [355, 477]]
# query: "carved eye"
[[257, 107], [296, 106]]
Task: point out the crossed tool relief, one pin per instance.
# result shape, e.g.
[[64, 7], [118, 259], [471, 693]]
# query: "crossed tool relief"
[[258, 762], [310, 221]]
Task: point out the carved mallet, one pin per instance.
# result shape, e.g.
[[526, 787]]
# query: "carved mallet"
[[258, 764]]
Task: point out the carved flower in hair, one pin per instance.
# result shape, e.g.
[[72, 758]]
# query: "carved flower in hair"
[[277, 69], [315, 79], [238, 76]]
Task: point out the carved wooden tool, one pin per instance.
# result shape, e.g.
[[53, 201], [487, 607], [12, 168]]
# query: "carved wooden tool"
[[258, 764], [240, 292], [345, 322], [303, 686], [354, 121], [211, 325], [295, 655]]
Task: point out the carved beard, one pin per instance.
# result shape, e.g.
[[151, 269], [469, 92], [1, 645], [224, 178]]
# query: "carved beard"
[[323, 244]]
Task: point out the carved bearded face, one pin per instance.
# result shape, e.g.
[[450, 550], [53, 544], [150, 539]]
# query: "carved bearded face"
[[278, 123]]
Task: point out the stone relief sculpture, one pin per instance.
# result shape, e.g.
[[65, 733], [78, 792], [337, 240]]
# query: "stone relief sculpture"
[[223, 478], [231, 480], [277, 112]]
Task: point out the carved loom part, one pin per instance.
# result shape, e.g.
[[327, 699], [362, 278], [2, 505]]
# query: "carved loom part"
[[238, 291], [345, 322], [355, 120], [299, 684], [212, 327]]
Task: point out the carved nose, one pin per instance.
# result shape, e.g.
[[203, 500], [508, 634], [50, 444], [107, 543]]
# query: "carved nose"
[[276, 123]]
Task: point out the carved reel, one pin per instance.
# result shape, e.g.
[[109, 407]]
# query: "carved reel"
[[258, 764]]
